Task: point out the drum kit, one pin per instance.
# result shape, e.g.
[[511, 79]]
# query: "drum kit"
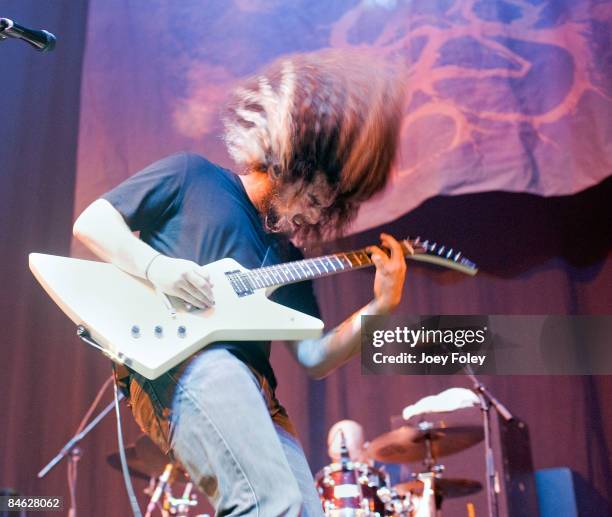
[[347, 488], [359, 489]]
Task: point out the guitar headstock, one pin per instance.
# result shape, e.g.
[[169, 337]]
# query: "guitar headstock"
[[435, 253]]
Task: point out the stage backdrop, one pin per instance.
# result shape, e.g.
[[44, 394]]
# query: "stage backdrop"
[[512, 95], [501, 95]]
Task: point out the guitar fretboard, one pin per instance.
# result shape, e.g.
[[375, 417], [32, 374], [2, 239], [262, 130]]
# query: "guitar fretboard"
[[245, 282], [306, 269]]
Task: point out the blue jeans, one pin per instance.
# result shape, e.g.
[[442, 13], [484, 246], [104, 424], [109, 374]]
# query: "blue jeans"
[[222, 422]]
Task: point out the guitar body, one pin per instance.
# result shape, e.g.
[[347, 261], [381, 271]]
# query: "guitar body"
[[125, 314]]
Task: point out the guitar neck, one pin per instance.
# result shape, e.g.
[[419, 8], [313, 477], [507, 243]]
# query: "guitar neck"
[[307, 269]]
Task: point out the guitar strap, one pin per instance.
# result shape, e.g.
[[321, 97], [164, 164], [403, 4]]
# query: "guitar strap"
[[122, 373]]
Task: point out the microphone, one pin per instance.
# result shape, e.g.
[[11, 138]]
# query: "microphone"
[[41, 40], [344, 452]]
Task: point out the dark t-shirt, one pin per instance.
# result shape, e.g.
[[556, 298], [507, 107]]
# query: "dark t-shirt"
[[187, 207]]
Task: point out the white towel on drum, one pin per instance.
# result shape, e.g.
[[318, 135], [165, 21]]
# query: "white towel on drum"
[[448, 400]]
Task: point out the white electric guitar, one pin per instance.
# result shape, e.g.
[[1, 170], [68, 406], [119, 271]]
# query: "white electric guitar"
[[136, 325]]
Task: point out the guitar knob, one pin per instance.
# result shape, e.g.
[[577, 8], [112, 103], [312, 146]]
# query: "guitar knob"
[[135, 331], [182, 331], [158, 330]]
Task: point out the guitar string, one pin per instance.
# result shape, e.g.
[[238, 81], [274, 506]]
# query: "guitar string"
[[279, 270], [268, 276]]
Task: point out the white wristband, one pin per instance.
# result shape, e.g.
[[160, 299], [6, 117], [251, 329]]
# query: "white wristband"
[[146, 272]]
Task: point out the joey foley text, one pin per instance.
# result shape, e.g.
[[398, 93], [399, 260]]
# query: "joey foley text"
[[438, 346]]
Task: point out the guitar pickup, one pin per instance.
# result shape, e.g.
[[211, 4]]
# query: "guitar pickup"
[[240, 283]]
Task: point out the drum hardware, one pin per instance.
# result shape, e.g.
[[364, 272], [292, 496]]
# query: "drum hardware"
[[420, 497], [396, 504], [344, 452], [430, 502], [429, 461], [181, 506], [161, 488], [170, 505], [431, 499], [448, 487], [426, 491]]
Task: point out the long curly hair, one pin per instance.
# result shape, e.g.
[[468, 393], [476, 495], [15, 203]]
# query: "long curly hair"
[[324, 126]]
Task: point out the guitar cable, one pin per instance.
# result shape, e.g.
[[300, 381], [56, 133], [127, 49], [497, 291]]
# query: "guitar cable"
[[124, 467], [83, 333]]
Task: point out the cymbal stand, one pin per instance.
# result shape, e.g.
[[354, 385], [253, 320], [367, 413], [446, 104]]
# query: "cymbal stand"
[[431, 501], [430, 459]]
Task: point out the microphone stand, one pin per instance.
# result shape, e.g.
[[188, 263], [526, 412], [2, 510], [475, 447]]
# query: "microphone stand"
[[71, 444], [487, 399]]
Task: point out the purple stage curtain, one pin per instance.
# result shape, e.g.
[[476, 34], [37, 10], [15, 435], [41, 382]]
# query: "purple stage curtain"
[[154, 75], [500, 95]]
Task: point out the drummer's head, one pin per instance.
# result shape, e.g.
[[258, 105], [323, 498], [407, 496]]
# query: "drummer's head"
[[353, 436]]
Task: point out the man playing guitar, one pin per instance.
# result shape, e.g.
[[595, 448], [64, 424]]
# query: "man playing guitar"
[[316, 135]]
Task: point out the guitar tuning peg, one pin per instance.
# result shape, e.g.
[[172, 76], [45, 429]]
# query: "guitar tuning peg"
[[426, 245], [456, 257], [441, 250], [449, 253], [467, 262], [432, 248]]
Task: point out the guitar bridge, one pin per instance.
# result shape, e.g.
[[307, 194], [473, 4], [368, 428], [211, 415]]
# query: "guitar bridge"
[[240, 283]]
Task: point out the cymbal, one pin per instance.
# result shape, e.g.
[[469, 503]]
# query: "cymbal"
[[445, 487], [145, 460], [408, 443]]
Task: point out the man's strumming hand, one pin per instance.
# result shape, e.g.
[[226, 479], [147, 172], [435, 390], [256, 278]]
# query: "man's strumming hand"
[[181, 278]]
